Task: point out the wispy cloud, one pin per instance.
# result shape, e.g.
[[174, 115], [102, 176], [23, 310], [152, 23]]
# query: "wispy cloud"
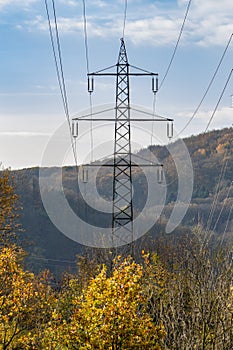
[[65, 24], [71, 3], [21, 3], [209, 22], [222, 118]]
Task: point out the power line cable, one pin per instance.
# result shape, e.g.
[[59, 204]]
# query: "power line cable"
[[222, 208], [146, 159], [177, 44], [208, 87], [52, 262], [124, 21], [91, 129], [228, 219], [88, 71], [214, 204], [73, 143], [60, 71], [219, 100], [61, 65], [54, 53], [47, 260], [85, 36], [152, 126]]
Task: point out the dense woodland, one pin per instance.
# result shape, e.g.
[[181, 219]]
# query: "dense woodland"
[[176, 293]]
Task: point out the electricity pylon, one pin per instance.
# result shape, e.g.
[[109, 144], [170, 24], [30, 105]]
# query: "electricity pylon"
[[122, 208], [122, 211]]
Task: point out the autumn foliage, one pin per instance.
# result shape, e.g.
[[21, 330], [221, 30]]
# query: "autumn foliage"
[[8, 207], [184, 303], [25, 300], [111, 313], [136, 306]]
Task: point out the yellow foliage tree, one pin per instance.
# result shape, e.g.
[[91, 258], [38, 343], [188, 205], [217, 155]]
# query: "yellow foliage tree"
[[111, 313], [25, 301], [8, 209]]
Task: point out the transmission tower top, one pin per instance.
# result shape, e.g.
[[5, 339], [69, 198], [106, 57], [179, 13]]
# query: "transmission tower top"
[[122, 196], [123, 59]]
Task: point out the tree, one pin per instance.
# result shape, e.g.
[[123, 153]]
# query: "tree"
[[197, 310], [111, 313], [25, 300], [8, 207]]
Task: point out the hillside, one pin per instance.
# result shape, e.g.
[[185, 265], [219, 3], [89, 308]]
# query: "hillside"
[[211, 205]]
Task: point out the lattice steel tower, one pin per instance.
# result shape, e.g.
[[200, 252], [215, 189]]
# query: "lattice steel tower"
[[122, 211], [122, 207]]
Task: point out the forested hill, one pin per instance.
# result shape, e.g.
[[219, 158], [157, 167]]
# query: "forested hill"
[[212, 158]]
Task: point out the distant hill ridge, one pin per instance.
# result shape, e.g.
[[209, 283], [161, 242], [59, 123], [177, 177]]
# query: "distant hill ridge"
[[212, 158]]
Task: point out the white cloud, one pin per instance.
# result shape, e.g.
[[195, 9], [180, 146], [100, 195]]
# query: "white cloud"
[[157, 30], [212, 6], [21, 3], [209, 22], [65, 25], [222, 118], [71, 3], [99, 3]]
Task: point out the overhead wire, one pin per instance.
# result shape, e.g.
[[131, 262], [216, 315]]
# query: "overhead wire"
[[47, 260], [227, 222], [152, 126], [223, 206], [124, 21], [208, 231], [59, 70], [228, 219], [54, 54], [61, 65], [177, 44], [61, 78], [168, 67], [145, 159], [223, 170], [85, 36], [214, 204], [208, 87], [52, 263], [199, 105], [219, 100], [88, 71]]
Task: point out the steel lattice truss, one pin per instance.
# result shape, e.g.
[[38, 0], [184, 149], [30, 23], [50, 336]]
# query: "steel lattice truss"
[[122, 210], [122, 176]]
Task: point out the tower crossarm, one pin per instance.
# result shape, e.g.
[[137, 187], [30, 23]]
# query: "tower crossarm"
[[122, 207]]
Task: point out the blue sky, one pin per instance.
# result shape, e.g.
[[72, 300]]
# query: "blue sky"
[[30, 102]]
